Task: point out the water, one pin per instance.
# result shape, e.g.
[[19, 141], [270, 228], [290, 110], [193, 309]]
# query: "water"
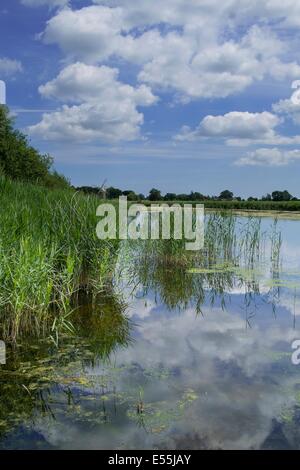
[[179, 356]]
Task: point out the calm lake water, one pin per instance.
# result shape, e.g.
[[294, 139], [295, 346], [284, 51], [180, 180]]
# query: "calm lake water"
[[183, 353]]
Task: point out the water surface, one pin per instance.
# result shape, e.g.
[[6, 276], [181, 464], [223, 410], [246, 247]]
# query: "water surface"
[[183, 353]]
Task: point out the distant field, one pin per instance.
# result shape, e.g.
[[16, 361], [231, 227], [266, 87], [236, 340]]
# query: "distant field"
[[291, 206]]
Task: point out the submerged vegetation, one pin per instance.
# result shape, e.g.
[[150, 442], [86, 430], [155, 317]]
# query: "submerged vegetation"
[[49, 253], [53, 383]]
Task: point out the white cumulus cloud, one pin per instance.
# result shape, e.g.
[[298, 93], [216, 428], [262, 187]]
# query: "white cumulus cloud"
[[9, 67], [199, 12], [100, 106], [196, 49], [290, 106], [239, 129], [50, 3], [234, 125], [269, 157], [200, 52]]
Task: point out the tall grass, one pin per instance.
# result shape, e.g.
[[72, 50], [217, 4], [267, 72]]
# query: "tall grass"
[[234, 251], [49, 252]]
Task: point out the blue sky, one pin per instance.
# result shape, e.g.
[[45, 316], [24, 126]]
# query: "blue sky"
[[197, 95]]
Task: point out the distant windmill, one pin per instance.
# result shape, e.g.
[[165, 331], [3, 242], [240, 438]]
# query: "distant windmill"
[[102, 190]]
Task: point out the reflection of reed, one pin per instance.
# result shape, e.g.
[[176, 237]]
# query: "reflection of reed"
[[233, 252], [35, 373]]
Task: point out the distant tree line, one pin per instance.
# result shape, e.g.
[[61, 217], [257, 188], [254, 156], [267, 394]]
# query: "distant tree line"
[[19, 160], [156, 195]]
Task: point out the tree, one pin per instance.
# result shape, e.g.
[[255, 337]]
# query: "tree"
[[131, 196], [154, 195], [281, 196], [287, 196], [89, 190], [170, 197], [19, 160], [195, 196], [183, 197], [113, 193], [228, 195], [56, 180]]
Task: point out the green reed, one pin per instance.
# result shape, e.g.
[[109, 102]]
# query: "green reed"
[[233, 251], [49, 252]]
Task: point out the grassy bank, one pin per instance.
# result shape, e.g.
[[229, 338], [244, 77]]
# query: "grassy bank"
[[49, 253], [292, 206]]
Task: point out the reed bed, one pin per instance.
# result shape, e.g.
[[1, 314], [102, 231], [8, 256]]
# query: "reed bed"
[[234, 251], [49, 252]]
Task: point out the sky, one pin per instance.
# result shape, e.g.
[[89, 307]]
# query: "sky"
[[200, 95]]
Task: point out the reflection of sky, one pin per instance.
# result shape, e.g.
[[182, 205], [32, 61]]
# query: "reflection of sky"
[[239, 385], [240, 372], [290, 231]]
